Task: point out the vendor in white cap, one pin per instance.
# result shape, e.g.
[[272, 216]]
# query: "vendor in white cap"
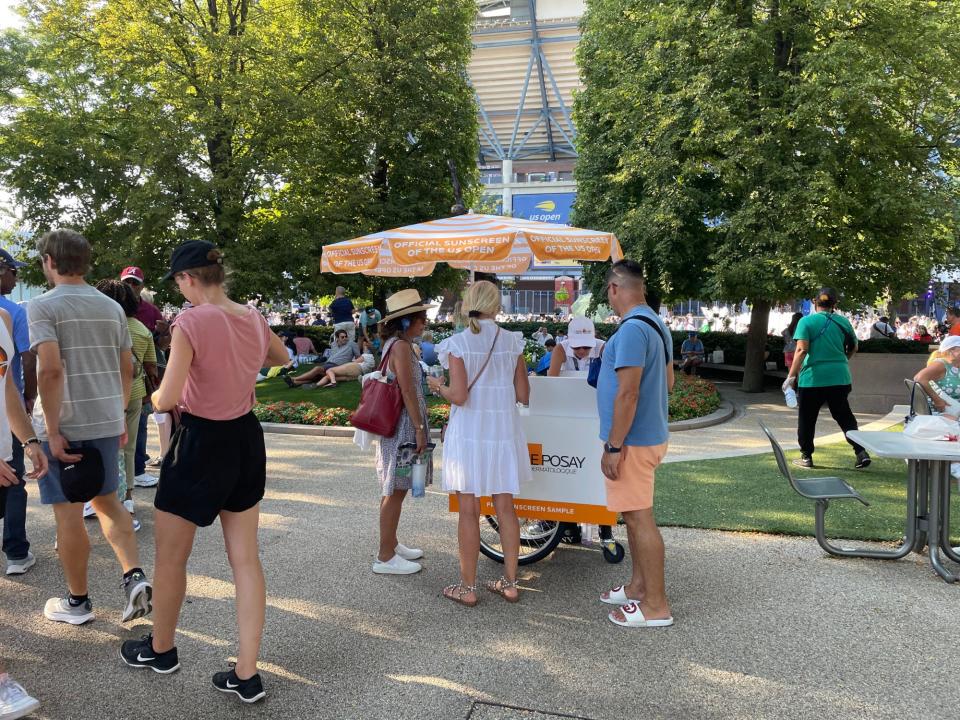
[[941, 378], [573, 355]]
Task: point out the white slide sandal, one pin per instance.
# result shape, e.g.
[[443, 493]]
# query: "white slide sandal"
[[618, 597], [634, 618]]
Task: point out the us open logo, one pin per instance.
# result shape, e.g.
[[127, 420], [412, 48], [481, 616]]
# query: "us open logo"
[[547, 462]]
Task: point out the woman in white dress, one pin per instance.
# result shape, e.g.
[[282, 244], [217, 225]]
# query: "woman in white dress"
[[485, 448]]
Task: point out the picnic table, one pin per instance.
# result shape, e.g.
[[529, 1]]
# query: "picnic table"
[[928, 495]]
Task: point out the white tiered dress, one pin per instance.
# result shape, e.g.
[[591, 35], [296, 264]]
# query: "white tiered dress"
[[485, 448]]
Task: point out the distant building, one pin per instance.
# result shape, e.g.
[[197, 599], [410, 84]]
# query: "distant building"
[[524, 72]]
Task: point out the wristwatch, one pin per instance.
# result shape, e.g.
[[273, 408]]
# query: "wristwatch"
[[607, 447]]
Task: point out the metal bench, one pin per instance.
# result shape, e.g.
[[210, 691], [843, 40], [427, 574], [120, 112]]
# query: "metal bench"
[[821, 491]]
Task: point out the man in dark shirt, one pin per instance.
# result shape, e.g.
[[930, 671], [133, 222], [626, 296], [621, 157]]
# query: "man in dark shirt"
[[147, 312], [342, 311]]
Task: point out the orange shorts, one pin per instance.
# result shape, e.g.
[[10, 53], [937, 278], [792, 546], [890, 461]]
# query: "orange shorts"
[[633, 489]]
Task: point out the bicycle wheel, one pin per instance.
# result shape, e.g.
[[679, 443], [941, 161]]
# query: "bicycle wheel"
[[538, 538]]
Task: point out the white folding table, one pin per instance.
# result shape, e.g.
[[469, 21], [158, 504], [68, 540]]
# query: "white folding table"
[[928, 493]]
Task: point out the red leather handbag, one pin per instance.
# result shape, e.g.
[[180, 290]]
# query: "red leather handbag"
[[380, 404]]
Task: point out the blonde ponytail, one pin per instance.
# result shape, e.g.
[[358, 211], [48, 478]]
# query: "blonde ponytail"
[[482, 297]]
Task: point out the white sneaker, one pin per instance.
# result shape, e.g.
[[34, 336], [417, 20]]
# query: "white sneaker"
[[145, 480], [128, 504], [88, 511], [408, 553], [19, 567], [396, 566], [14, 700]]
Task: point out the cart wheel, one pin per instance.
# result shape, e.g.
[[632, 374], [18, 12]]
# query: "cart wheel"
[[538, 538], [613, 552]]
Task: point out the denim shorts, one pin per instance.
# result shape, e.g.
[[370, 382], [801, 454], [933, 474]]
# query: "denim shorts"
[[51, 491]]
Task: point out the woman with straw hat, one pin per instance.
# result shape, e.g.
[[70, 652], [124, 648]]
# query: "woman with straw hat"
[[406, 318]]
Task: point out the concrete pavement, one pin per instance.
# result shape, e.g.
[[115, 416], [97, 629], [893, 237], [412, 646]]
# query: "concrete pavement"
[[741, 435], [767, 627]]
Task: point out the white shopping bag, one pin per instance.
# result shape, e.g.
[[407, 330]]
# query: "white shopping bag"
[[164, 424], [932, 427]]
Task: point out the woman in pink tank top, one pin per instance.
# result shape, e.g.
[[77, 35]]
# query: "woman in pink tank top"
[[216, 463]]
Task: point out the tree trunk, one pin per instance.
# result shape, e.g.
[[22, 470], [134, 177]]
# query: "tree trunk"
[[755, 363]]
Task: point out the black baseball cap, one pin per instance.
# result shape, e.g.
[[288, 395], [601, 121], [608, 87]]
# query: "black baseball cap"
[[827, 297], [8, 260], [82, 480], [192, 254]]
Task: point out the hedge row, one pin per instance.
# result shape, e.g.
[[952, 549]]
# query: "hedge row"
[[734, 345]]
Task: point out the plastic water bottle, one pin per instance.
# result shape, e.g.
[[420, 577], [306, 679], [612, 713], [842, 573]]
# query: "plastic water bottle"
[[436, 371], [589, 534], [790, 395]]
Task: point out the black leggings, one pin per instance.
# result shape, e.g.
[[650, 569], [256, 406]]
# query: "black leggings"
[[810, 400]]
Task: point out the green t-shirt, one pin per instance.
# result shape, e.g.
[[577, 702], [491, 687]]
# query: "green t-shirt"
[[144, 351], [826, 362]]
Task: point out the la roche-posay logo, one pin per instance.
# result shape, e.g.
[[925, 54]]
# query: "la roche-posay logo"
[[541, 461]]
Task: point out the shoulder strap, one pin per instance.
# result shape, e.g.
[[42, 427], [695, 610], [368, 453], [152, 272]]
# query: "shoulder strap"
[[829, 316], [386, 355], [485, 362], [656, 327]]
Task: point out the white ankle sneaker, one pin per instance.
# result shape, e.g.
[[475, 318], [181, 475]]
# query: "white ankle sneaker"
[[396, 566], [145, 480], [408, 553], [88, 511]]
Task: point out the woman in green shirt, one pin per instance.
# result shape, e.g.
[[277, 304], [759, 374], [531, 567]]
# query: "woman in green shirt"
[[144, 365]]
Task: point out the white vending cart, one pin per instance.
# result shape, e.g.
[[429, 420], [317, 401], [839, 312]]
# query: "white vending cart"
[[563, 439]]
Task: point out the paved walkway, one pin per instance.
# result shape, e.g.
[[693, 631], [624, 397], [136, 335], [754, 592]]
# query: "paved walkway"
[[767, 627], [741, 435]]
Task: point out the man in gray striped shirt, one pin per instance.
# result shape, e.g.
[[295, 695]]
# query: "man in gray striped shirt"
[[84, 373]]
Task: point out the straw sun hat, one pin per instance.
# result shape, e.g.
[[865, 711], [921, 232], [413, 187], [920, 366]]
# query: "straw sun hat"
[[405, 302]]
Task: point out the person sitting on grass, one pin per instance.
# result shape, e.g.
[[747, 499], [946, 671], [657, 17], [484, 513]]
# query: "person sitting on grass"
[[340, 353], [353, 370]]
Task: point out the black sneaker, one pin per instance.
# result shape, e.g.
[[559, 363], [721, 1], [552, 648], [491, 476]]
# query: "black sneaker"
[[804, 461], [140, 654], [863, 460], [249, 691]]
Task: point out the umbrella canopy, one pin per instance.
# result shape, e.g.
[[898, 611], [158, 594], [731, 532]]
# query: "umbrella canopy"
[[483, 243]]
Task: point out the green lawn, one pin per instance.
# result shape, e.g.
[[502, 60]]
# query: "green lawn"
[[345, 394], [749, 494]]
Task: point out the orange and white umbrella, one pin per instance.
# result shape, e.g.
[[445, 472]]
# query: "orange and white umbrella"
[[482, 243]]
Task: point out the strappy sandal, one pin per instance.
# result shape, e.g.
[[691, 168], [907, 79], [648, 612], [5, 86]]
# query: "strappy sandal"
[[456, 593], [501, 585]]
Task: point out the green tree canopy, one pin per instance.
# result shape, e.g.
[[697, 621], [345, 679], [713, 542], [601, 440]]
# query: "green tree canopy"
[[268, 127], [759, 148]]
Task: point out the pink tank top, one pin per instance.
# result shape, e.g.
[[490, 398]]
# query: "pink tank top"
[[228, 352]]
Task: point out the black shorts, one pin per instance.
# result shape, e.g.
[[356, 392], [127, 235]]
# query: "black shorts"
[[212, 465]]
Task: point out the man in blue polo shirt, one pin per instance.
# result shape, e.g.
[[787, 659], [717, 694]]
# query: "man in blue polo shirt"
[[342, 311], [24, 368], [636, 375]]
